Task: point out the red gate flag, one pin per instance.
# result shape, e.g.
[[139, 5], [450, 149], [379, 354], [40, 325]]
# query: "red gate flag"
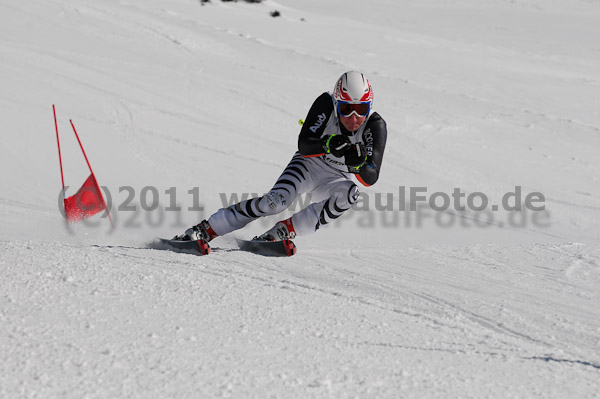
[[86, 202]]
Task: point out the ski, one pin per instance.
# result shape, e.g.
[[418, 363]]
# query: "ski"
[[268, 248], [199, 247]]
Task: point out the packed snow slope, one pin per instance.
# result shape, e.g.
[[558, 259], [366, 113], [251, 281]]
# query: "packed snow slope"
[[181, 105]]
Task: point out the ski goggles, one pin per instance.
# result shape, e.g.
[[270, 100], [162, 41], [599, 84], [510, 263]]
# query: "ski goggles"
[[361, 109]]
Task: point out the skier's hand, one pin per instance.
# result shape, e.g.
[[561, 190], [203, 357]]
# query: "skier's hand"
[[356, 156], [336, 144]]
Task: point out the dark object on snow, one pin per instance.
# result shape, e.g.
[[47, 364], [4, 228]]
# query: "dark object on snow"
[[275, 13], [199, 247], [268, 248]]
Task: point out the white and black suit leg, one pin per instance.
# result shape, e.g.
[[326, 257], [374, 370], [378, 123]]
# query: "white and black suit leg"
[[331, 194], [330, 200], [295, 180]]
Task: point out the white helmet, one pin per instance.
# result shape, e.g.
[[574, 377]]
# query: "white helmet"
[[353, 88]]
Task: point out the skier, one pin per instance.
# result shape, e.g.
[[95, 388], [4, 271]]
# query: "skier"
[[341, 140]]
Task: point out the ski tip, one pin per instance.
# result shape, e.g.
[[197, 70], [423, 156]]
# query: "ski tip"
[[290, 247], [203, 247]]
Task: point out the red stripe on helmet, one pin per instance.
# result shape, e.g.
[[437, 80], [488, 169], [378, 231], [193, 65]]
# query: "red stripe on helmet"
[[369, 94]]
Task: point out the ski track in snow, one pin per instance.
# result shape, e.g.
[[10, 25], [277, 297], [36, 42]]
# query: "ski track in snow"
[[482, 96]]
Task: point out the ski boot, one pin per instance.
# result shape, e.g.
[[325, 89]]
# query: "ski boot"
[[201, 231], [282, 231]]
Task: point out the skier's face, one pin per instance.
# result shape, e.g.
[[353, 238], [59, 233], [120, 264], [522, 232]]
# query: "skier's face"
[[352, 122]]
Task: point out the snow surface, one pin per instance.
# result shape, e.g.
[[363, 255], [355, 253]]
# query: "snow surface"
[[482, 95]]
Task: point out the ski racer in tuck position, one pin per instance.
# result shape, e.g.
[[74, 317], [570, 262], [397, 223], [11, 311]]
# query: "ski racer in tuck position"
[[342, 141]]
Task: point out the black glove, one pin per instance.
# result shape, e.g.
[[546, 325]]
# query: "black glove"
[[355, 156], [336, 144]]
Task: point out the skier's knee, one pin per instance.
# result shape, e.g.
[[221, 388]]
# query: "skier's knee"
[[274, 202], [353, 194], [346, 195]]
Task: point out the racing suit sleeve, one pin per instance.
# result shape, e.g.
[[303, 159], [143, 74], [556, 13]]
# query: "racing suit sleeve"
[[375, 137], [309, 140]]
